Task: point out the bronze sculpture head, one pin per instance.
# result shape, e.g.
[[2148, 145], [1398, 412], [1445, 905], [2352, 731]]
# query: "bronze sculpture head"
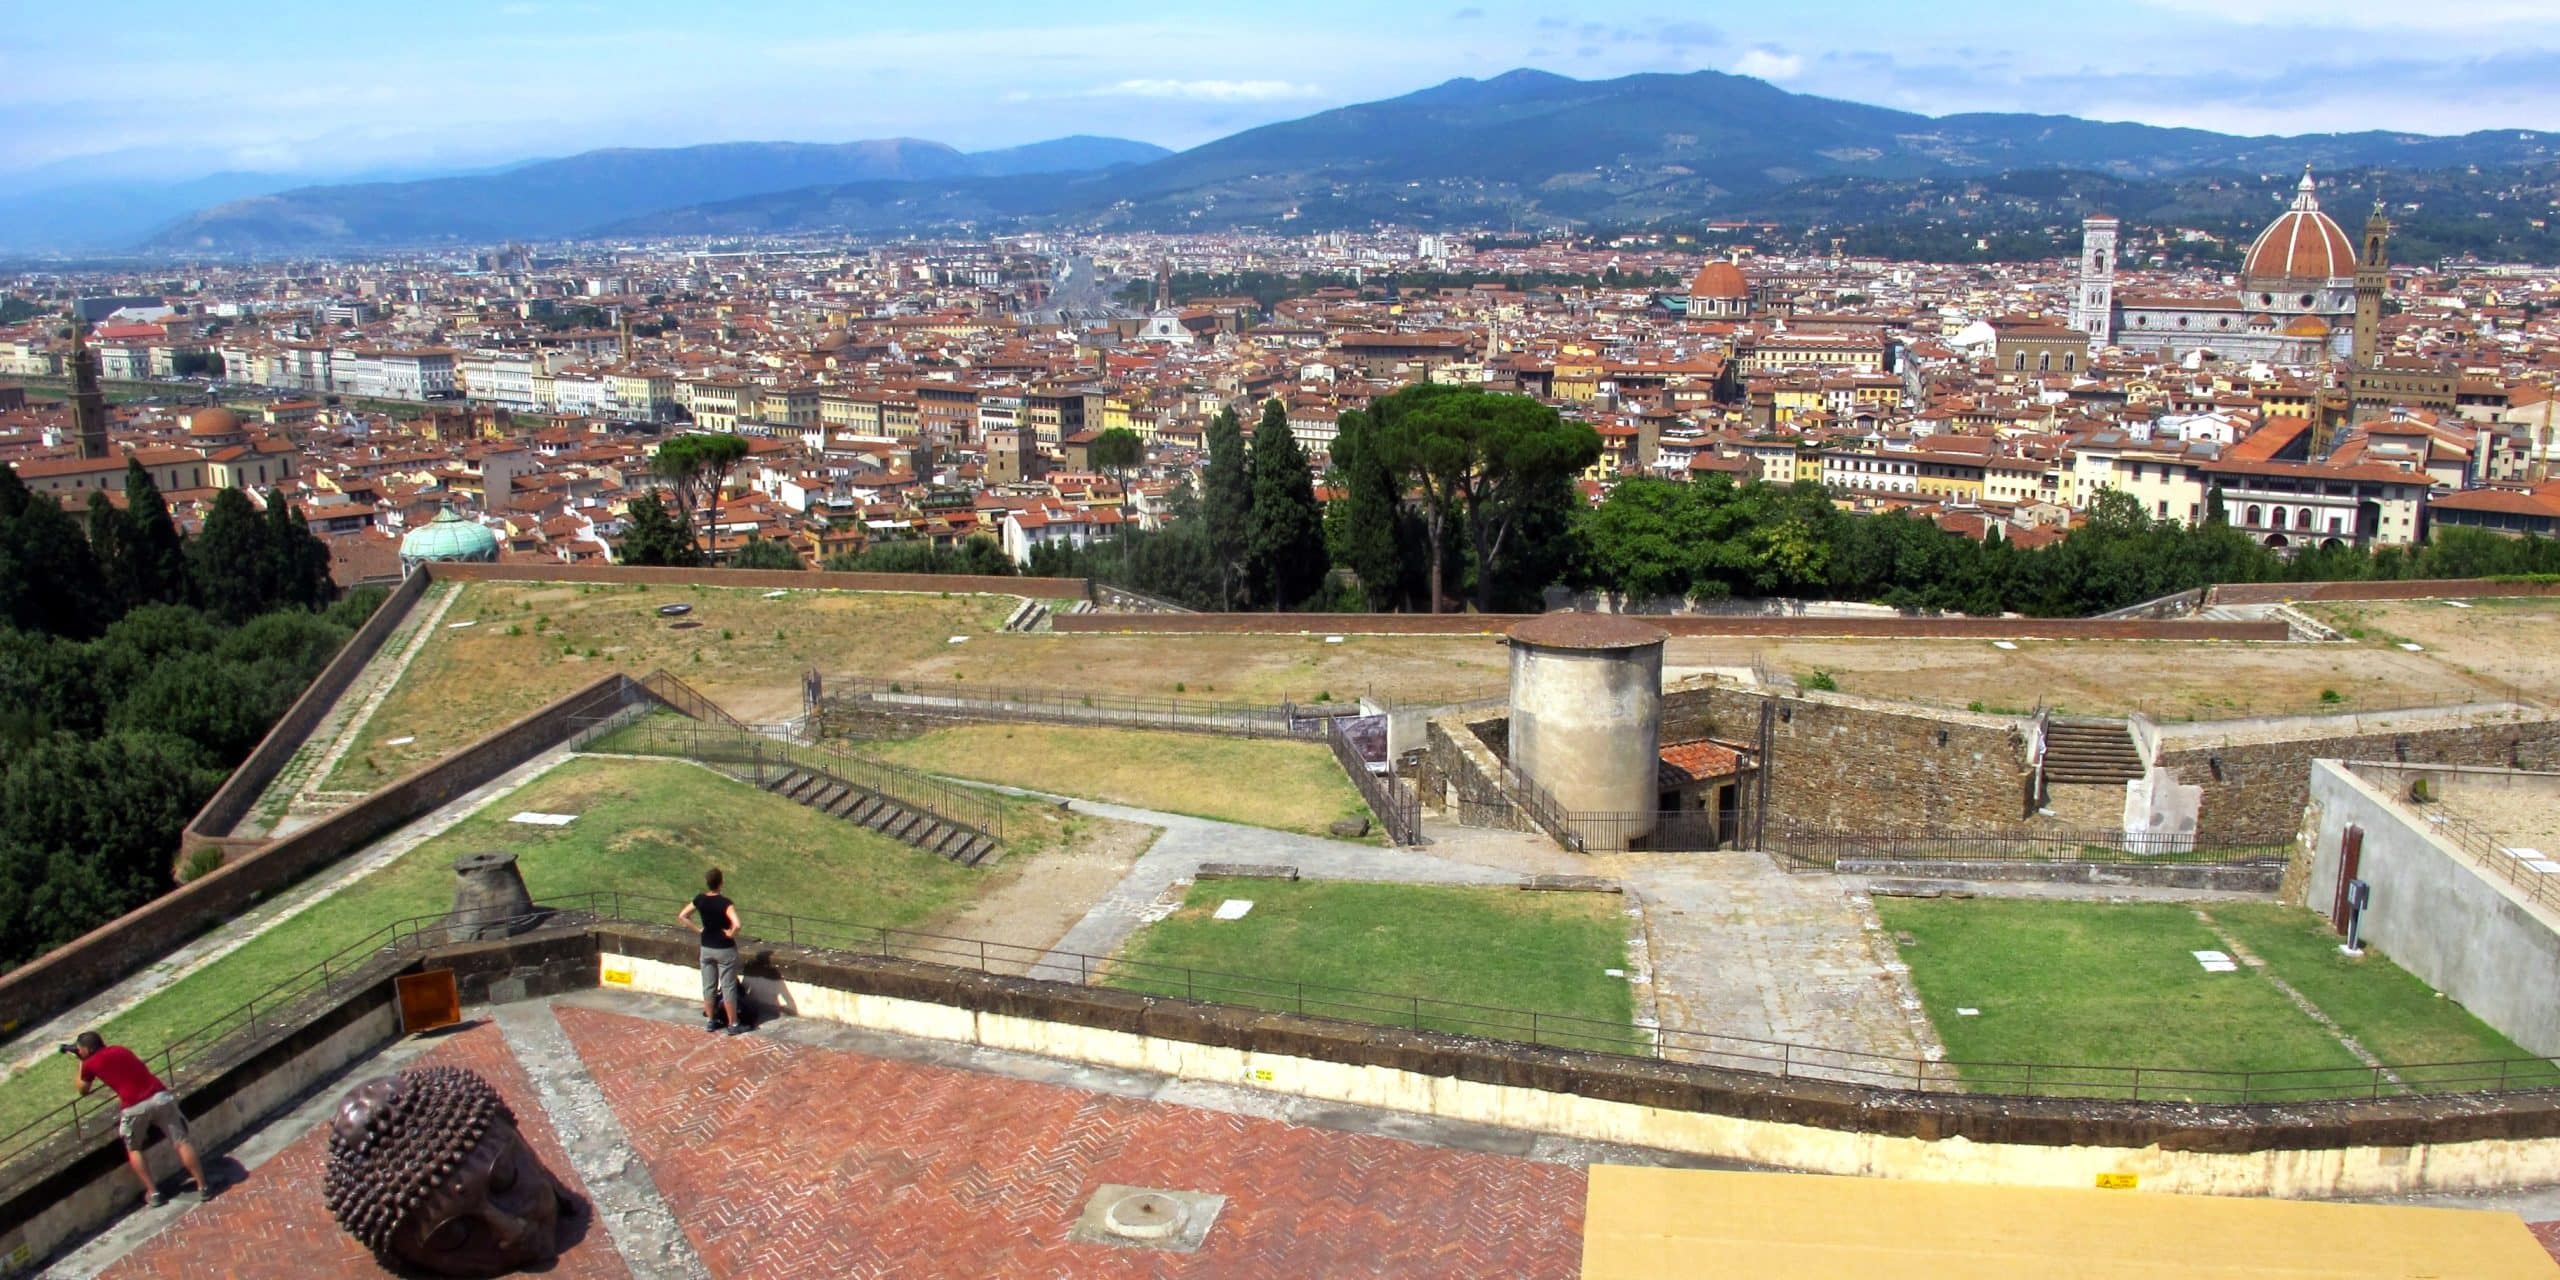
[[428, 1170]]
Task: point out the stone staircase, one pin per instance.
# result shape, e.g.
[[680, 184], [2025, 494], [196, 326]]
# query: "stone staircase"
[[2098, 752], [837, 798]]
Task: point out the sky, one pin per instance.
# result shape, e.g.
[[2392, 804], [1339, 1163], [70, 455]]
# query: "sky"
[[333, 88]]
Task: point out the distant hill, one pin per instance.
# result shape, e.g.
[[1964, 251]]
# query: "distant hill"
[[550, 199], [1537, 149], [1528, 148]]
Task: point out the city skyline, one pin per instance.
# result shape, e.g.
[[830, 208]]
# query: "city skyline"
[[495, 83]]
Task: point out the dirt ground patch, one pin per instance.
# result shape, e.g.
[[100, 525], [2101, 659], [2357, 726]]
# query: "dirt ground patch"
[[2502, 645], [2164, 680], [529, 643], [1260, 669], [1045, 895], [1284, 785]]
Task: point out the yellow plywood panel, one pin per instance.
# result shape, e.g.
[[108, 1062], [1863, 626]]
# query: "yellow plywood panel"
[[1647, 1224]]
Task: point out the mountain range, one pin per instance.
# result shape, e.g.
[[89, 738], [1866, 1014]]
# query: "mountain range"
[[1526, 148]]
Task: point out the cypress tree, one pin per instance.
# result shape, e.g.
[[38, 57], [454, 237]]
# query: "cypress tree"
[[49, 580], [1360, 522], [155, 556], [233, 570], [106, 546], [1226, 500], [1285, 529]]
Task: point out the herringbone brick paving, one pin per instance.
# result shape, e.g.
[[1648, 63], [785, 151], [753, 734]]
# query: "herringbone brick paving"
[[273, 1223], [786, 1160]]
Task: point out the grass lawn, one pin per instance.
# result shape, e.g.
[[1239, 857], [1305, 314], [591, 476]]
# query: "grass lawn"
[[2094, 984], [643, 827], [1431, 949], [2078, 983], [742, 650], [1262, 782], [2392, 1013]]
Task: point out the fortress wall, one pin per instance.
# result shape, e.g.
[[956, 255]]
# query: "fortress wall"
[[1842, 763], [765, 579]]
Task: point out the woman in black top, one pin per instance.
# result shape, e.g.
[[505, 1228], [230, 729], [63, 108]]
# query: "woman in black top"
[[718, 918]]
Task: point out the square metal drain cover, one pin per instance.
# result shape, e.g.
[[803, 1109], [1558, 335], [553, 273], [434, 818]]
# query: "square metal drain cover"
[[1147, 1218]]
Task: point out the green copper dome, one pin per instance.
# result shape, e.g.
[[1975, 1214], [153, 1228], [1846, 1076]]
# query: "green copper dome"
[[448, 537]]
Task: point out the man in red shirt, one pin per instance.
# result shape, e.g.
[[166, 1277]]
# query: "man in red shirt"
[[147, 1104]]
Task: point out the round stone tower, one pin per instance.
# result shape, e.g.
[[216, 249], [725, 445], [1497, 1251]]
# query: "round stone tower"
[[1586, 717]]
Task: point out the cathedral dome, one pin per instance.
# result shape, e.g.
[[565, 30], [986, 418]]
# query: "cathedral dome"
[[216, 421], [1719, 280], [2302, 244], [2307, 327]]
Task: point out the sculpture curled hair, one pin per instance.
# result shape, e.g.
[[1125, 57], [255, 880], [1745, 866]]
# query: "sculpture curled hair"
[[390, 1144]]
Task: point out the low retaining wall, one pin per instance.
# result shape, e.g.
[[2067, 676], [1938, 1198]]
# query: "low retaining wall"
[[2358, 1148], [2237, 877], [2406, 589], [213, 823], [68, 974], [263, 1075], [1468, 624], [766, 579], [2257, 775]]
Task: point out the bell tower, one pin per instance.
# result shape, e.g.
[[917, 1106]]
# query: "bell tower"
[[2373, 276], [2093, 306], [88, 403]]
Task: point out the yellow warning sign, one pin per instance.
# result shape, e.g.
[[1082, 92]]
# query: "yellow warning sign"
[[616, 977], [1260, 1075], [2118, 1181]]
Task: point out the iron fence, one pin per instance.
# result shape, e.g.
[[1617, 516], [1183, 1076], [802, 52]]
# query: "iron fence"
[[759, 758], [224, 1039], [956, 701], [1399, 810], [2474, 839]]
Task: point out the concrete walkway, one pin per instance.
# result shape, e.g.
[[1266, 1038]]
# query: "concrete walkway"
[[288, 803], [1187, 842]]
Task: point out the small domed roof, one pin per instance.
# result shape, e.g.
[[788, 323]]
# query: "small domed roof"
[[2307, 327], [449, 537], [1719, 280], [216, 421], [2302, 244]]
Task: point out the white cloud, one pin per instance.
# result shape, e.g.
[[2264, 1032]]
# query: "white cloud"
[[1769, 64], [2466, 15], [1208, 90]]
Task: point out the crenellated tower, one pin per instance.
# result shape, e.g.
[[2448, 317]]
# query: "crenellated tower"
[[2373, 277]]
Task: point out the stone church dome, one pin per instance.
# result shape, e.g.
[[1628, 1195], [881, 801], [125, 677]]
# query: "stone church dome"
[[1719, 280], [2301, 244]]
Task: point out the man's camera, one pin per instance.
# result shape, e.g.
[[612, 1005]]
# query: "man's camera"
[[66, 1047]]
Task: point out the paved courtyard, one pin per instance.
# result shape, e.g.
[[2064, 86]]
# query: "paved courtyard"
[[804, 1153]]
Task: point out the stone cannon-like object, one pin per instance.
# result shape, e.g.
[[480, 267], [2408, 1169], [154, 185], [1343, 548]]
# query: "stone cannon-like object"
[[489, 899], [428, 1170]]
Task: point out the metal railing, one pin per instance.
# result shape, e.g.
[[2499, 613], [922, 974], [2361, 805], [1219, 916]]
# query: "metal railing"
[[686, 699], [222, 1040], [759, 758], [1541, 807], [209, 1047], [1399, 810], [957, 701], [2467, 833]]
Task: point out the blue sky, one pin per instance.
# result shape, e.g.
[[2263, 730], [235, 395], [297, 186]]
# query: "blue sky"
[[333, 88]]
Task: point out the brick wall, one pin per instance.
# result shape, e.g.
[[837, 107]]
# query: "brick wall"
[[213, 823], [1467, 624], [2409, 589], [1841, 763], [2256, 789], [82, 967], [764, 579]]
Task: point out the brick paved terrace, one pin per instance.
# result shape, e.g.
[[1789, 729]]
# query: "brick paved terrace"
[[812, 1149]]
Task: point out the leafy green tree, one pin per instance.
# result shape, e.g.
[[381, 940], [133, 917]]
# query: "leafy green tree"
[[297, 569], [106, 545], [88, 831], [155, 557], [1226, 499], [1284, 534], [764, 553], [235, 560], [2214, 511], [697, 466], [1117, 452], [1483, 458], [652, 536], [49, 581], [1640, 544], [1360, 522], [13, 494]]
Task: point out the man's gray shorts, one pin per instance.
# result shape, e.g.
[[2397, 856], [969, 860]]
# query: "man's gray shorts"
[[159, 1111], [720, 974]]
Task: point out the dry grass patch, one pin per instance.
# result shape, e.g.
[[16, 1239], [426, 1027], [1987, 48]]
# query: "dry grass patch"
[[1257, 669], [530, 643], [1290, 786]]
